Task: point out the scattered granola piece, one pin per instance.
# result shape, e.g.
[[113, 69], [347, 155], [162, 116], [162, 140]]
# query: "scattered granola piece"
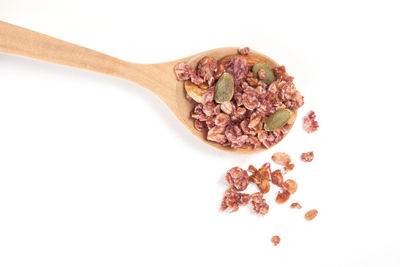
[[311, 214], [275, 240], [289, 167], [233, 200], [281, 158], [290, 186], [277, 178], [282, 197], [238, 178], [261, 179], [308, 156], [295, 205], [260, 206], [310, 124]]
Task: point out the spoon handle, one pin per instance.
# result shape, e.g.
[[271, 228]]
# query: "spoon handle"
[[23, 42]]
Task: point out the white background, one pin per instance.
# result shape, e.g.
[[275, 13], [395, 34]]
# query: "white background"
[[96, 171]]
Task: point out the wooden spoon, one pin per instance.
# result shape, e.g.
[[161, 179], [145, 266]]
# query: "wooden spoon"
[[158, 78]]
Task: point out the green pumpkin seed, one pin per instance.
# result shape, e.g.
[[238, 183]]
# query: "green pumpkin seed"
[[269, 74], [224, 88], [276, 120]]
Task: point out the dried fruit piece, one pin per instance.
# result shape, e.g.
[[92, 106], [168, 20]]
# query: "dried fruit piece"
[[194, 91], [282, 197], [261, 179], [311, 214], [277, 177], [278, 119], [290, 186], [224, 88], [269, 76], [308, 156], [295, 205], [275, 240], [238, 178], [281, 158], [260, 206], [233, 200]]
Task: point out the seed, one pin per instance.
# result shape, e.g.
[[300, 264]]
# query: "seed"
[[269, 75], [194, 91], [224, 88], [277, 120]]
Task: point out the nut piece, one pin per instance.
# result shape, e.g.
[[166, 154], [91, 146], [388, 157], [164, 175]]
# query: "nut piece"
[[311, 214], [281, 158], [295, 205], [282, 197], [275, 240], [290, 186], [194, 91]]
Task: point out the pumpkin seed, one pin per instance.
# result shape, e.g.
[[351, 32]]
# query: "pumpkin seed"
[[194, 91], [276, 120], [224, 88], [269, 74]]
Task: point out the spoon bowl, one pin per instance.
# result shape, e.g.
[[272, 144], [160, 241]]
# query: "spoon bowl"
[[158, 78]]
